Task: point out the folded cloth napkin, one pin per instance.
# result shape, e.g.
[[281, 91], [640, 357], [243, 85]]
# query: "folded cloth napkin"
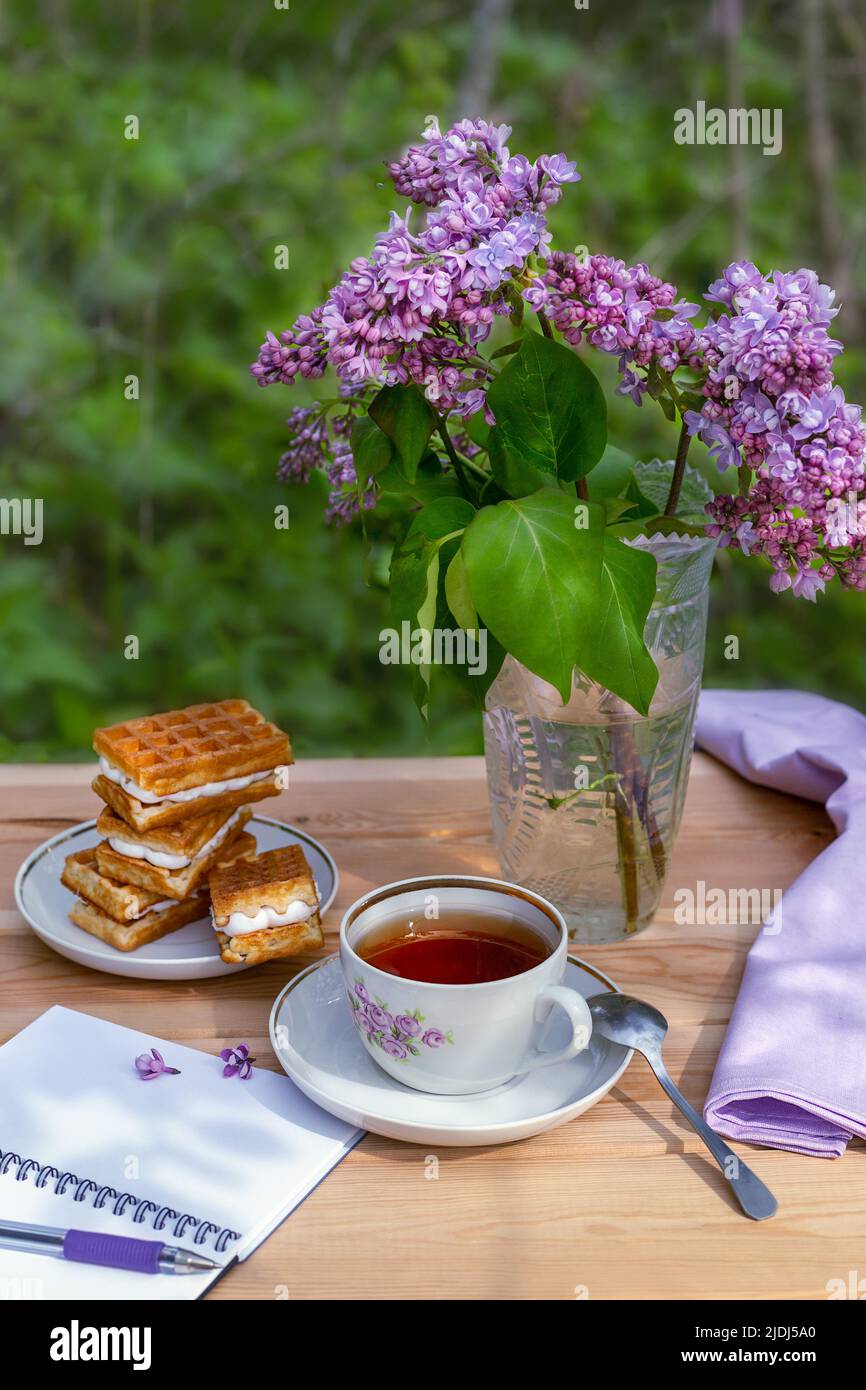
[[792, 1070]]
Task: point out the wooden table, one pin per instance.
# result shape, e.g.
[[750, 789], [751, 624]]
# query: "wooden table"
[[622, 1202]]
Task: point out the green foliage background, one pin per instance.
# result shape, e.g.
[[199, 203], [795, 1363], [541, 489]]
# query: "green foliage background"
[[262, 126]]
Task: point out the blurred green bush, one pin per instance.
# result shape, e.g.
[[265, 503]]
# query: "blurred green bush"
[[154, 258]]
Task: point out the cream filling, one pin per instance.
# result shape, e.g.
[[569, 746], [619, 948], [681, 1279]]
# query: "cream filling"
[[155, 907], [159, 860], [239, 924], [232, 784]]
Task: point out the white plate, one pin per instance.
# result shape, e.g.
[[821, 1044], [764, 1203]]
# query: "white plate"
[[188, 954], [316, 1042]]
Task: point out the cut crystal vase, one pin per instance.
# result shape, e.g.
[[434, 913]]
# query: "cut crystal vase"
[[586, 798]]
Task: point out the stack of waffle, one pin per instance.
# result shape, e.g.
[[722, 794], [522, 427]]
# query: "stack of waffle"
[[177, 789]]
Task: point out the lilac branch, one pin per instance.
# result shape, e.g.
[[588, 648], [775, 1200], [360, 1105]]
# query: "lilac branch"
[[455, 459], [679, 471]]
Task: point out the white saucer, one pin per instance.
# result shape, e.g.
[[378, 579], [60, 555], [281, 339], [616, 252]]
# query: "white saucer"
[[313, 1036], [188, 954]]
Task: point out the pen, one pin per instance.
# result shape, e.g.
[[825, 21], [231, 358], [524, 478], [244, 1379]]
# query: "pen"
[[93, 1248]]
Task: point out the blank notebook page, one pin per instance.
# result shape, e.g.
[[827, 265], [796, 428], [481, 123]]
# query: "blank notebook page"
[[235, 1156]]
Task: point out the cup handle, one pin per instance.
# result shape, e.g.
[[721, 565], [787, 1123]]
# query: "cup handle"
[[577, 1009]]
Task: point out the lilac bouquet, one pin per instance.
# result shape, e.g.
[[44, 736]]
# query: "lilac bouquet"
[[518, 509]]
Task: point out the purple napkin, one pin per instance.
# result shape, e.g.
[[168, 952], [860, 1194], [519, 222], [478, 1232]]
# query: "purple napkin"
[[791, 1073]]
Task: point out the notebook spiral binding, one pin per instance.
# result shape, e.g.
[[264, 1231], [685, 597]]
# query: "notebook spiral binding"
[[145, 1212]]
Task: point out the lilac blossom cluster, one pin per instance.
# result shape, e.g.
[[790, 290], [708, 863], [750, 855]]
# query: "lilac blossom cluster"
[[416, 309], [618, 308], [319, 442], [418, 306], [772, 408]]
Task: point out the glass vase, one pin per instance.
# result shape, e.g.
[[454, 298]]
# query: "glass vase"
[[586, 798]]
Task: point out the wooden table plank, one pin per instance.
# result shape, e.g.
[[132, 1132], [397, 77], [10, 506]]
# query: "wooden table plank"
[[621, 1203]]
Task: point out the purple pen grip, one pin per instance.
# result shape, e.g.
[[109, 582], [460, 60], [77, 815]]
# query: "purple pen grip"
[[117, 1252]]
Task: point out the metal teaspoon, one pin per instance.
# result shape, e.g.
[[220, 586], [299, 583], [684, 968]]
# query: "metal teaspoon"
[[632, 1023]]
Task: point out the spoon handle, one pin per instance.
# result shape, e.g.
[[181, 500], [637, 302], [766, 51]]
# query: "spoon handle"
[[756, 1200]]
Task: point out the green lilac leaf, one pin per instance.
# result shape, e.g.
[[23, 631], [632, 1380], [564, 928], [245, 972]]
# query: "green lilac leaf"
[[613, 651], [477, 428], [415, 573], [507, 350], [515, 477], [458, 595], [408, 420], [534, 577], [550, 409], [430, 481], [372, 450], [410, 563], [614, 476]]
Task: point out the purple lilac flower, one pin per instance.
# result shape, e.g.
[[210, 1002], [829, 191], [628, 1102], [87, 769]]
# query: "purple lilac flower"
[[309, 446], [808, 583], [780, 580], [746, 535], [558, 168], [618, 308], [415, 310], [755, 412], [716, 437], [739, 275], [300, 350], [814, 415], [152, 1066], [318, 443], [238, 1061], [433, 1037], [394, 1048], [769, 390]]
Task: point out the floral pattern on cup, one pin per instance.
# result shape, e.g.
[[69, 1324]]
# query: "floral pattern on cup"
[[400, 1036]]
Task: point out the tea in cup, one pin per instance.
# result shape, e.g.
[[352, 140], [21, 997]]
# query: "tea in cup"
[[451, 981]]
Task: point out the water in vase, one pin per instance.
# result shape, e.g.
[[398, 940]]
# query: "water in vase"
[[586, 796], [586, 814]]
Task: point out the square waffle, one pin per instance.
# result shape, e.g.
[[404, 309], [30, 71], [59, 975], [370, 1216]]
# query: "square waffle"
[[167, 753], [185, 839], [275, 943], [121, 901], [145, 815], [128, 936], [277, 879], [101, 900], [168, 883]]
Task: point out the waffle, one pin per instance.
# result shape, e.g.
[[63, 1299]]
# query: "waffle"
[[97, 908], [168, 883], [274, 943], [275, 879], [120, 901], [172, 752], [144, 815], [186, 838], [128, 936]]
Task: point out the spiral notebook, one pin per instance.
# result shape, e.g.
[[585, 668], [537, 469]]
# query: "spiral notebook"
[[207, 1162]]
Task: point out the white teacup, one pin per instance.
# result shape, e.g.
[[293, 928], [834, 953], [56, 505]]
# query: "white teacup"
[[459, 1039]]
